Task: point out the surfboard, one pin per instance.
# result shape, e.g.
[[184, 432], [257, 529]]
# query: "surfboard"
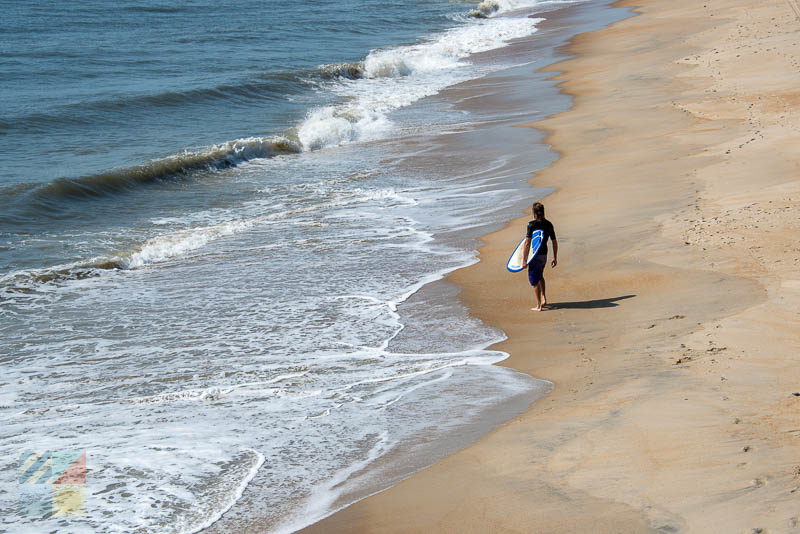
[[515, 261]]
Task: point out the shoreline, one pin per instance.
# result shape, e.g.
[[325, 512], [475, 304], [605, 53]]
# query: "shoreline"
[[483, 108], [669, 413]]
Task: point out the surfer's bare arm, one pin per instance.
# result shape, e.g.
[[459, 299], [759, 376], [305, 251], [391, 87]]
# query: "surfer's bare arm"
[[526, 248], [555, 252]]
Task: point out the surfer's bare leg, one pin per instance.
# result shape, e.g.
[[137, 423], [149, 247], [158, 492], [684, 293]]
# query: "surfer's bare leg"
[[544, 296], [537, 290]]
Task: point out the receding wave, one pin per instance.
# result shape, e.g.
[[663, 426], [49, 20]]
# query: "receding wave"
[[214, 158]]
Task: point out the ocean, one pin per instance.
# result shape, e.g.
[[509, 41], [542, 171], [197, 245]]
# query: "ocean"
[[223, 229]]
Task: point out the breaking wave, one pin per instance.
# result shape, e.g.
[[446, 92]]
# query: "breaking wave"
[[173, 244], [213, 158], [386, 79]]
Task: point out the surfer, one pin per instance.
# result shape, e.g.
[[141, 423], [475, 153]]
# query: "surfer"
[[537, 264]]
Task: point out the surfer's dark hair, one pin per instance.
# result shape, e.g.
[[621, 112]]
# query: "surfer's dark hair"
[[538, 210]]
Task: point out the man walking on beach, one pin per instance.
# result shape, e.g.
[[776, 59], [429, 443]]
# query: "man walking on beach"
[[537, 264]]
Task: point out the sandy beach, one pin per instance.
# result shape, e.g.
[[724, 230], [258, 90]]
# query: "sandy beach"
[[674, 327]]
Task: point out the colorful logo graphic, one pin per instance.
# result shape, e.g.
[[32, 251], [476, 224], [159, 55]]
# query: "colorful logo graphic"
[[52, 483]]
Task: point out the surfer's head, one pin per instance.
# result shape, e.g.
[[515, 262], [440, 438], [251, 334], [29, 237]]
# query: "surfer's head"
[[538, 210]]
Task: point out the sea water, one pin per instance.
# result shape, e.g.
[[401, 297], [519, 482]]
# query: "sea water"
[[213, 238]]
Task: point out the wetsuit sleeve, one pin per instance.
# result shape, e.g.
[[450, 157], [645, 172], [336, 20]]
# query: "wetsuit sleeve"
[[529, 232]]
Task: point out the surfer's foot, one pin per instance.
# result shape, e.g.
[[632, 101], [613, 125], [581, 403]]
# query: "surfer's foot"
[[544, 303], [538, 308]]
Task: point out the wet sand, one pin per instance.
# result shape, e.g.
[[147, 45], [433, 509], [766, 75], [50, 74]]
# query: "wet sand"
[[673, 333]]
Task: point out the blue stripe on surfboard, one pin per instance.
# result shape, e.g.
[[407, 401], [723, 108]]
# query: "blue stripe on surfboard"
[[536, 243]]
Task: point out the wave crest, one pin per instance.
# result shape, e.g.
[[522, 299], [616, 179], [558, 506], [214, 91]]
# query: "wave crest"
[[490, 8], [217, 157], [330, 126], [350, 71], [485, 9]]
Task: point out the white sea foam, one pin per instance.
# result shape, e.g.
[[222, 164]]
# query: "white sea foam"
[[319, 503], [446, 51], [191, 394], [331, 126], [229, 498], [171, 245], [198, 234], [398, 76]]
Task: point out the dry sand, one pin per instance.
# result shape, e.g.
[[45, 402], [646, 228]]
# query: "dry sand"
[[675, 327]]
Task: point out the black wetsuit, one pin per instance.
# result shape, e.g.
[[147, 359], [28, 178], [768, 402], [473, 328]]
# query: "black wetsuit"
[[549, 233]]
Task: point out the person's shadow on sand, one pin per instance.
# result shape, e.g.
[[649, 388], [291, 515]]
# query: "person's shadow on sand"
[[598, 303]]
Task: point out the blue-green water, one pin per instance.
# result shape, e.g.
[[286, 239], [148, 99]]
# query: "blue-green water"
[[219, 228], [95, 85]]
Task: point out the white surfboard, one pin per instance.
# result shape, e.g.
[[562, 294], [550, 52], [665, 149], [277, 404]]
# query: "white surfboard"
[[515, 261]]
